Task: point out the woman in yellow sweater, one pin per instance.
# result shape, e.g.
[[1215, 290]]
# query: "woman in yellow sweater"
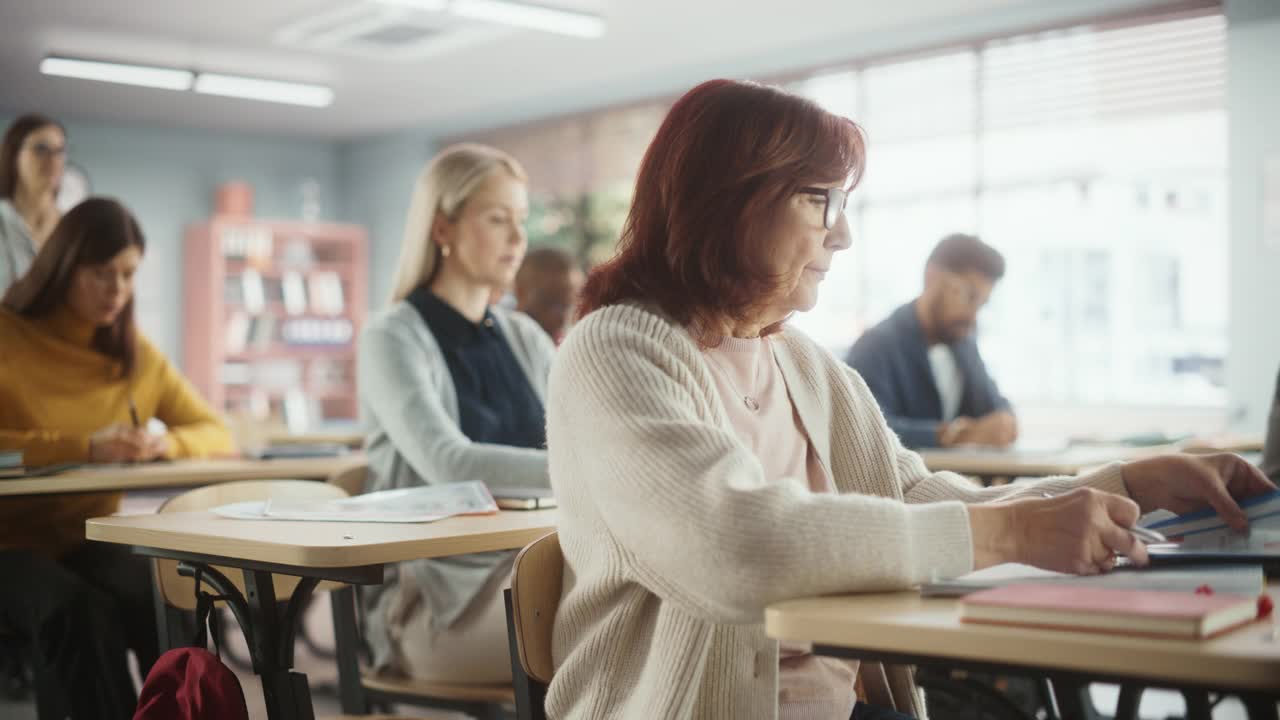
[[78, 384]]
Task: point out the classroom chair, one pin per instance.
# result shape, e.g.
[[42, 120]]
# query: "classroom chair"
[[531, 603], [175, 596], [351, 479]]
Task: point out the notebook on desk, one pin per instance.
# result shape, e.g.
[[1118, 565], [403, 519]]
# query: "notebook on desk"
[[1186, 615]]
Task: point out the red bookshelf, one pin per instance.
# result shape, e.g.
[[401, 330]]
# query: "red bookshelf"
[[272, 313]]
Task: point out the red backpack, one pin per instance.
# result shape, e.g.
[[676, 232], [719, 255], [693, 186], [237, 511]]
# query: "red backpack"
[[191, 683]]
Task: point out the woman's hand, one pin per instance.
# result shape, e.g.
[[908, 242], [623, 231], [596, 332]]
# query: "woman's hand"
[[1182, 483], [1078, 532], [122, 443]]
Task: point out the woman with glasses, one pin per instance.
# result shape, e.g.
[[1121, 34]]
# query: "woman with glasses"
[[709, 460], [32, 156]]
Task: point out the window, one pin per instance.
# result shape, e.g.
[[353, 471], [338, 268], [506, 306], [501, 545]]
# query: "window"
[[1094, 159]]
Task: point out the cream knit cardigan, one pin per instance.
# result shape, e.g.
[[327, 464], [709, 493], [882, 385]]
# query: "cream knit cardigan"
[[675, 542]]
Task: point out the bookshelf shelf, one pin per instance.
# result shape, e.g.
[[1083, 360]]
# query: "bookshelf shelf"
[[272, 312]]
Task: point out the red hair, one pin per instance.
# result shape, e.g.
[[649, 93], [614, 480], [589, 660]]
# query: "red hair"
[[726, 158]]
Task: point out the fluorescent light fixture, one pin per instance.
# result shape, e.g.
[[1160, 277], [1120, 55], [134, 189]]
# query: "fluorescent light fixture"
[[146, 76], [535, 17], [269, 90], [432, 5]]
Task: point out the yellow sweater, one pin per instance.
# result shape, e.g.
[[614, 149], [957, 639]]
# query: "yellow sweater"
[[56, 391]]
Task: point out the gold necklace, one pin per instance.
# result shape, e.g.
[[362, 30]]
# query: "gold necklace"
[[752, 404]]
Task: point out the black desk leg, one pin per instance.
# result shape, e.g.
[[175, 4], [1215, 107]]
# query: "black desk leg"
[[1130, 700], [271, 647], [1072, 697], [1261, 707]]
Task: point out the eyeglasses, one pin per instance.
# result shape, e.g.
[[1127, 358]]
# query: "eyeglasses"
[[837, 199], [46, 151]]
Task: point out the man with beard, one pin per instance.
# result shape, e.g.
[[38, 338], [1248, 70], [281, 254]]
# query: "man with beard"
[[922, 363]]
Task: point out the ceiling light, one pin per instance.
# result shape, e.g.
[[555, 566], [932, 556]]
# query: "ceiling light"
[[268, 90], [536, 17], [153, 77], [432, 5]]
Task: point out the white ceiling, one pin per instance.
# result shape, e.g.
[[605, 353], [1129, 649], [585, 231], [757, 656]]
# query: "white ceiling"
[[651, 47]]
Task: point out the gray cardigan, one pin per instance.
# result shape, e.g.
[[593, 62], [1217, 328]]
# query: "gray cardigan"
[[17, 249], [410, 410]]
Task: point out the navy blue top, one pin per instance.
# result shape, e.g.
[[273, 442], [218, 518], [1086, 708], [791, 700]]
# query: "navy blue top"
[[893, 358], [496, 403]]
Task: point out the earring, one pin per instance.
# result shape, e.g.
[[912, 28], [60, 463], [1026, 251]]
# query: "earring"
[[444, 250]]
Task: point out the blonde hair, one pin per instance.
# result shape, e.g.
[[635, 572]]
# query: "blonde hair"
[[443, 188]]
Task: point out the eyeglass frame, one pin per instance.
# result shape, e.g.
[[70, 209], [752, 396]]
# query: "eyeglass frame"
[[829, 216], [44, 150]]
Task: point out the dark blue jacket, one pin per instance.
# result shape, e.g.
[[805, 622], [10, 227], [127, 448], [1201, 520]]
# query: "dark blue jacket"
[[893, 359]]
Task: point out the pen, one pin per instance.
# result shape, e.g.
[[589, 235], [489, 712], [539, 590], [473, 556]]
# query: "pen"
[[1147, 536], [133, 414]]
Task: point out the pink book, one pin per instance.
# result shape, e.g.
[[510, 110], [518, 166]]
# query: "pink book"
[[1184, 615]]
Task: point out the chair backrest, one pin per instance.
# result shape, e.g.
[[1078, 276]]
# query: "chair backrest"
[[351, 479], [535, 595], [179, 591]]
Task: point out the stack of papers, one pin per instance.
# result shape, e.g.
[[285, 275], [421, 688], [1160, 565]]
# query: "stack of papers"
[[407, 505]]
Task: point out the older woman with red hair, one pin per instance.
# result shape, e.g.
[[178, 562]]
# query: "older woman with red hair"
[[710, 460]]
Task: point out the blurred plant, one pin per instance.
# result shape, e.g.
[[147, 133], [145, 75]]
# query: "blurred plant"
[[587, 225]]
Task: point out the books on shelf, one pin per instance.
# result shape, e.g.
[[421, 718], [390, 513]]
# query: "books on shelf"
[[326, 293], [237, 331], [295, 293], [247, 242], [426, 503], [1186, 615], [252, 293], [317, 331]]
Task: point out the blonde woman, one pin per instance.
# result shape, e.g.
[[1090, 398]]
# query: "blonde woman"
[[451, 390]]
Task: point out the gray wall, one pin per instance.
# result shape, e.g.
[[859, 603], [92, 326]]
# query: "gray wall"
[[377, 178], [1254, 117], [167, 177]]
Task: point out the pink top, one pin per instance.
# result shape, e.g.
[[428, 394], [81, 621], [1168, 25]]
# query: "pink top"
[[756, 401]]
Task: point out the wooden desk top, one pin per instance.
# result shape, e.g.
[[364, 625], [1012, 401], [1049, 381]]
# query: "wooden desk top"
[[1226, 442], [322, 544], [1033, 463], [180, 473], [906, 623]]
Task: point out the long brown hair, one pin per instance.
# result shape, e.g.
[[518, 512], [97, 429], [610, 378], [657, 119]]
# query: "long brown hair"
[[14, 137], [92, 233], [726, 157]]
